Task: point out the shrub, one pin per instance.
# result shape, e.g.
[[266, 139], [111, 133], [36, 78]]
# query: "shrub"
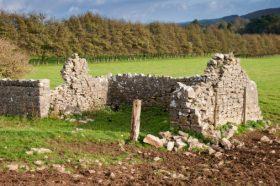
[[13, 61]]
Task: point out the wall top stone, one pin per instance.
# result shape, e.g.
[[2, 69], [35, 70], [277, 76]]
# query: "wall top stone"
[[74, 68], [24, 83]]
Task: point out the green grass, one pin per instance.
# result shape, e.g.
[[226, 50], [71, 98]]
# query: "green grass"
[[171, 67], [19, 134], [250, 125]]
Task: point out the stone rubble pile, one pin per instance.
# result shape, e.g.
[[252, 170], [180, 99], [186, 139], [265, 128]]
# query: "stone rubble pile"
[[84, 120], [175, 142], [184, 141], [38, 151]]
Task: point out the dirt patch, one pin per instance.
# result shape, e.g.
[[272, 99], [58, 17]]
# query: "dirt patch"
[[112, 148], [256, 163]]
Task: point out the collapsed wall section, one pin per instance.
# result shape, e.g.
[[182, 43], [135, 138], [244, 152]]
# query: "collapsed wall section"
[[226, 95], [80, 92], [25, 97]]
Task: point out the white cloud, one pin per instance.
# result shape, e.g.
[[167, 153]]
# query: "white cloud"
[[100, 2], [184, 6], [12, 5], [213, 4], [74, 10]]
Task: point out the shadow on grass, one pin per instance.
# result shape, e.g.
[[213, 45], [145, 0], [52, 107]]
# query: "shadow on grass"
[[108, 125], [153, 120]]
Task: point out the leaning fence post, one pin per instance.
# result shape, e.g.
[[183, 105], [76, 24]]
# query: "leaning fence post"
[[135, 120], [245, 105]]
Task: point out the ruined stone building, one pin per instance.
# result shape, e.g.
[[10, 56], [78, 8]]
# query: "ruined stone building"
[[224, 93]]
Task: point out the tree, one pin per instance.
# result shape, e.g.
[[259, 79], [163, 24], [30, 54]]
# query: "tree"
[[14, 62], [91, 35], [194, 32], [265, 24]]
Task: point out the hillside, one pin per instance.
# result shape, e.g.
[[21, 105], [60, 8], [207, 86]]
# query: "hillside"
[[260, 13], [232, 18]]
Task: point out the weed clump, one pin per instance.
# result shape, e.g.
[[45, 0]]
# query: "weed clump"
[[251, 125]]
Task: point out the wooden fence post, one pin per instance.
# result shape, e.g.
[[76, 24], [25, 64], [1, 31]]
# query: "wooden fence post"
[[245, 105], [215, 107], [135, 120]]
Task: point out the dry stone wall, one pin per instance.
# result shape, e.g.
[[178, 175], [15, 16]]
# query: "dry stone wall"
[[25, 97], [152, 90], [80, 91], [226, 95]]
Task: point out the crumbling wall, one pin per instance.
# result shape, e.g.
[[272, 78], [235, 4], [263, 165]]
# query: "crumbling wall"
[[25, 97], [80, 91], [202, 103], [218, 100]]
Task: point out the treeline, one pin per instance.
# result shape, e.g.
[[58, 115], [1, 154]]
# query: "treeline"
[[93, 36], [265, 24]]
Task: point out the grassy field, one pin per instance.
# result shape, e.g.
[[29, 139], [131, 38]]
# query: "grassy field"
[[171, 67], [19, 134]]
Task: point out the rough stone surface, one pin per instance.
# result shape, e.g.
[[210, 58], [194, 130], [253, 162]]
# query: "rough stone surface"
[[153, 140], [13, 167], [226, 143], [170, 145], [177, 142], [25, 97], [152, 90], [265, 139], [166, 134], [218, 99], [194, 143], [180, 144], [80, 92], [40, 150]]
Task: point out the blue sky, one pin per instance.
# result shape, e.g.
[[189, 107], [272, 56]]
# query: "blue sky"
[[140, 10]]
